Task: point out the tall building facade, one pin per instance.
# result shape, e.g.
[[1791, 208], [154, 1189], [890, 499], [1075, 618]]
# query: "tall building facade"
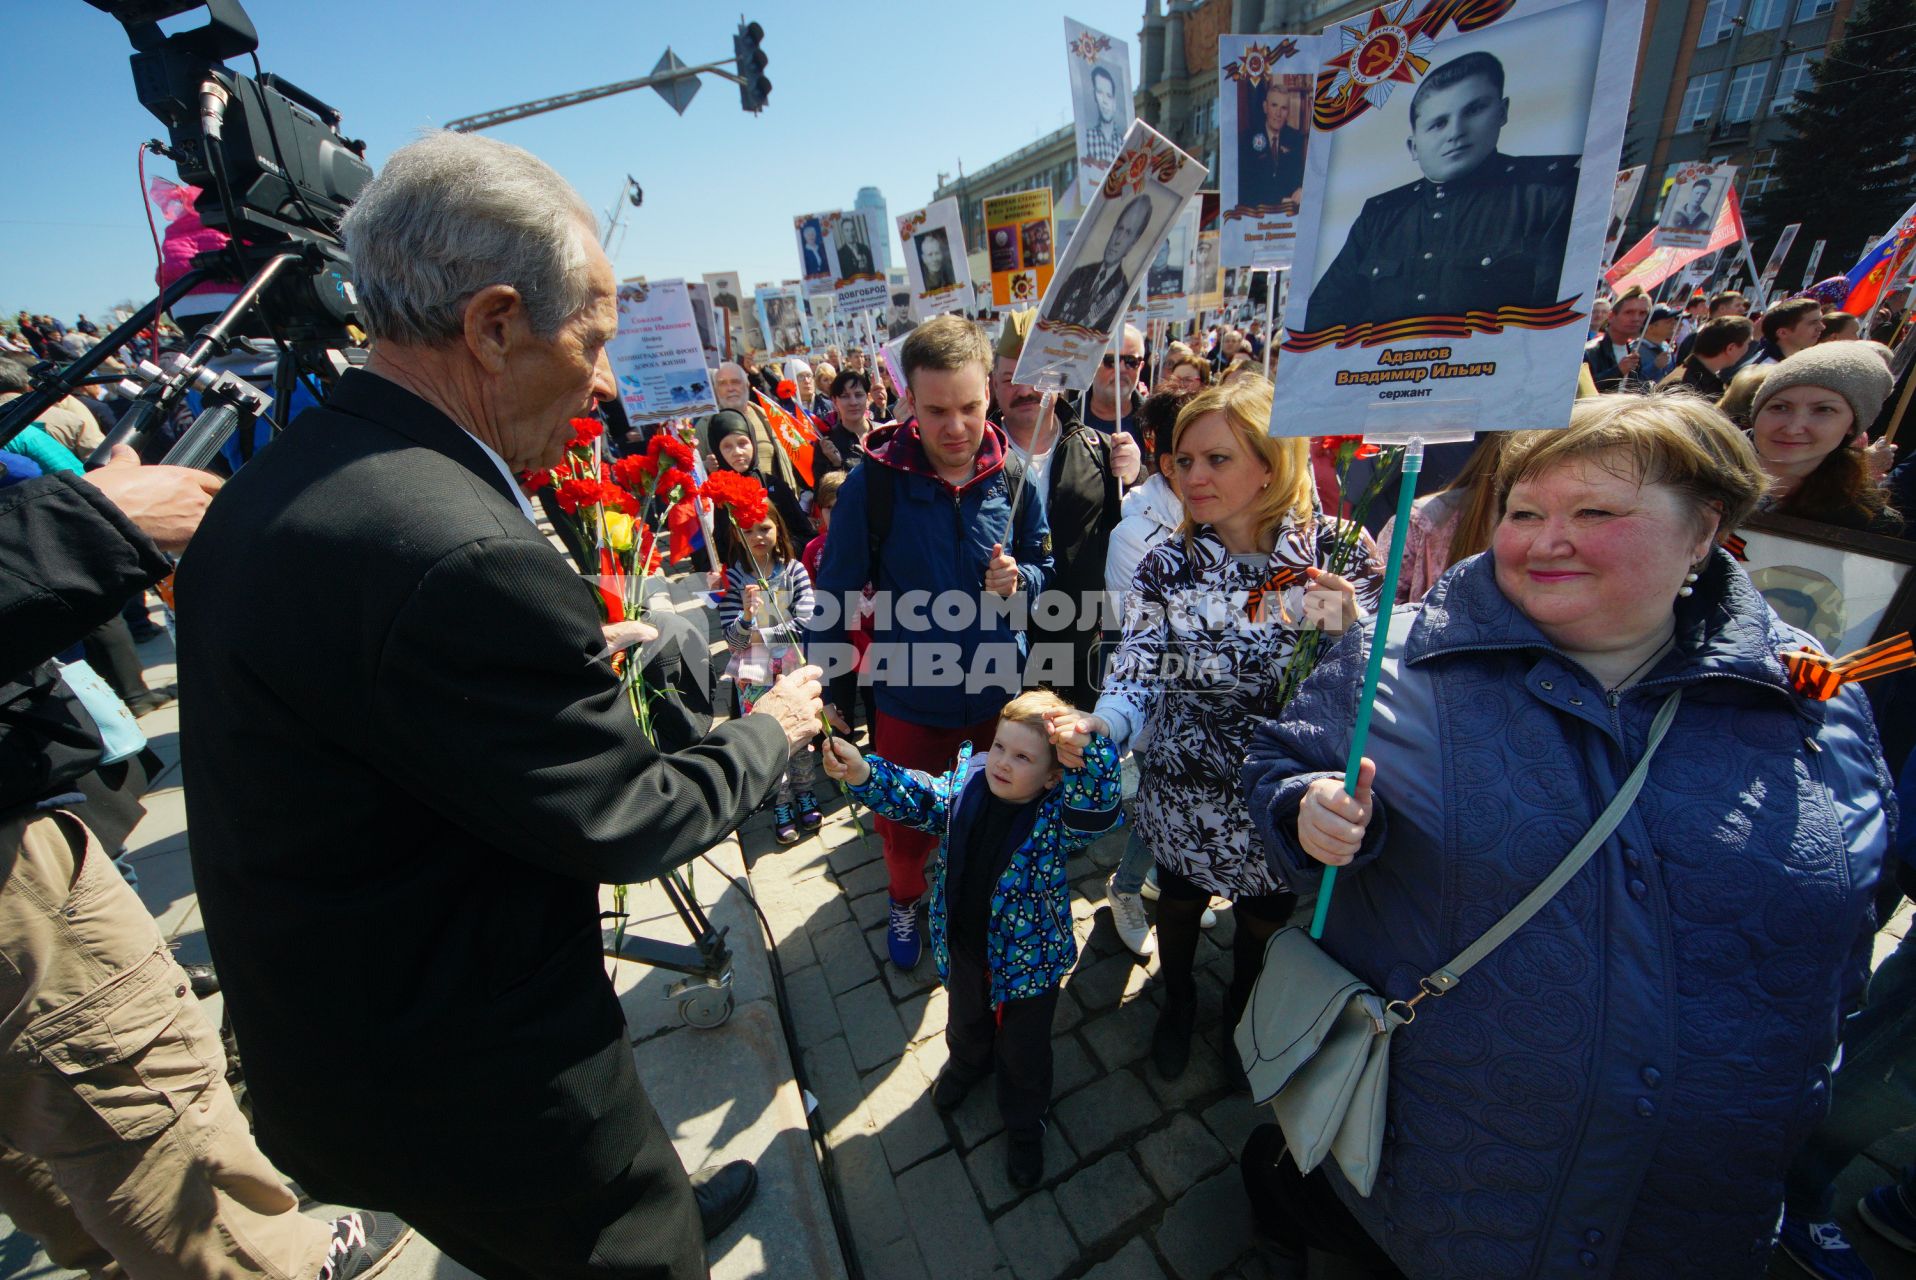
[[1712, 76], [871, 203]]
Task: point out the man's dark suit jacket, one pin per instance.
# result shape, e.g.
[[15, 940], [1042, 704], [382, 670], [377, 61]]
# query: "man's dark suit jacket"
[[410, 778]]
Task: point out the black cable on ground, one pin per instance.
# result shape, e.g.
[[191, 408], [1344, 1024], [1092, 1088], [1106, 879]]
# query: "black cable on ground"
[[822, 1149]]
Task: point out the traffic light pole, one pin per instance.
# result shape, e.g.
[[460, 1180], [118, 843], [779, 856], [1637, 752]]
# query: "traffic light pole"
[[505, 115]]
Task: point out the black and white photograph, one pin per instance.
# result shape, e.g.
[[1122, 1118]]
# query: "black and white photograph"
[[725, 291], [1264, 129], [1696, 195], [814, 254], [1103, 266], [1100, 69], [934, 259], [1457, 187], [781, 316], [700, 296], [1167, 286], [852, 243], [936, 267], [1623, 198]]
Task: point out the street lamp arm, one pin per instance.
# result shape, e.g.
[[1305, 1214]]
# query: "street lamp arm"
[[539, 106]]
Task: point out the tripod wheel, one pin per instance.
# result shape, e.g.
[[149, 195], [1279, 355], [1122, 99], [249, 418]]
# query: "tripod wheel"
[[706, 1007]]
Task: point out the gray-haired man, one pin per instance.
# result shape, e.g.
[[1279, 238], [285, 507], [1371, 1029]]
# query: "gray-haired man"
[[403, 807]]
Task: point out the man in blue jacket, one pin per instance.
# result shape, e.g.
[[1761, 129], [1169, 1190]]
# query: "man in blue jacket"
[[929, 522]]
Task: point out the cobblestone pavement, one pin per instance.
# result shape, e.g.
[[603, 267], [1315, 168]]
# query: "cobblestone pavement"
[[1140, 1178]]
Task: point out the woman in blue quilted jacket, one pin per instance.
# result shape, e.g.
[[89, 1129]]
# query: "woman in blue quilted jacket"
[[1618, 1088]]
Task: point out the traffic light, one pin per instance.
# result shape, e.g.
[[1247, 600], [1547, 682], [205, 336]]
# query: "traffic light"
[[753, 87]]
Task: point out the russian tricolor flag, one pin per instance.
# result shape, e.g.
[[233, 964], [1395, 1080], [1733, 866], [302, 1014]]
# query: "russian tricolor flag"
[[1868, 278]]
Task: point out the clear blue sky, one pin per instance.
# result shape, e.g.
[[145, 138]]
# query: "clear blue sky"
[[865, 93]]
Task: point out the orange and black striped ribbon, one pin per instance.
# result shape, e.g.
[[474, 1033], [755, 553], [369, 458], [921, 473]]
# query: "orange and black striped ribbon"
[[1737, 547], [1254, 603], [1819, 676]]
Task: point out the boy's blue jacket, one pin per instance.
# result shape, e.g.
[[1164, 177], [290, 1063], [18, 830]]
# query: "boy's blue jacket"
[[1029, 945], [940, 541]]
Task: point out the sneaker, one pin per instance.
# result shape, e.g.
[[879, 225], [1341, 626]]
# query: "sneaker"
[[1886, 1211], [952, 1086], [1821, 1249], [808, 815], [1149, 892], [782, 824], [907, 944], [1024, 1159], [1127, 913], [363, 1243]]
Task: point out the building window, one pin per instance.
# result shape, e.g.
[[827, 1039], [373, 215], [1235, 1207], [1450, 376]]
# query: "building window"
[[1700, 99], [1807, 9], [1716, 24], [1746, 87], [1794, 77], [1765, 15], [1756, 179]]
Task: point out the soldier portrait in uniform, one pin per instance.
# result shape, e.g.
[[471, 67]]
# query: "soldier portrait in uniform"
[[934, 259], [781, 318], [1692, 209], [1479, 229], [854, 249], [1270, 147], [1095, 292]]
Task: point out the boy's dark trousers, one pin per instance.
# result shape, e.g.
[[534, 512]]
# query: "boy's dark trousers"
[[1017, 1048]]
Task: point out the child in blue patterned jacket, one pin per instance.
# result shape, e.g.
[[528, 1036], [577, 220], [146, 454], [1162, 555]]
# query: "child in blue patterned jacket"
[[1000, 901]]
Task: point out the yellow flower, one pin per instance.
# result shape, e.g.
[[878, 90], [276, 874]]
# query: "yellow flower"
[[618, 530]]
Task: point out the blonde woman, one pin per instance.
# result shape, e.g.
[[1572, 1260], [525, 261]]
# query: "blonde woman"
[[1210, 625]]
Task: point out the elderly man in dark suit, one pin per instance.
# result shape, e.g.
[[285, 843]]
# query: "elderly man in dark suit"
[[412, 771], [1094, 294]]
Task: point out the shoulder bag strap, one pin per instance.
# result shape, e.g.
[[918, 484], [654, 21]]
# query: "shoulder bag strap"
[[1447, 977]]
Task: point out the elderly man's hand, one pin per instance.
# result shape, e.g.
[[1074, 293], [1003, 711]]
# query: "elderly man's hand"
[[1331, 822], [1001, 574], [1127, 460], [167, 503], [795, 703]]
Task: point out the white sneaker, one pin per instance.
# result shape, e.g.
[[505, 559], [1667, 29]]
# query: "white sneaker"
[[1127, 913], [1148, 890], [1208, 919]]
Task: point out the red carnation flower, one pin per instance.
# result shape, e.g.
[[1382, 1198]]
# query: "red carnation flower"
[[635, 472], [613, 498], [787, 389], [584, 432], [744, 496], [676, 449], [676, 480], [574, 494]]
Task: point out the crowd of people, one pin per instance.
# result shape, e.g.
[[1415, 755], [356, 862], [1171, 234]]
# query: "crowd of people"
[[1030, 623]]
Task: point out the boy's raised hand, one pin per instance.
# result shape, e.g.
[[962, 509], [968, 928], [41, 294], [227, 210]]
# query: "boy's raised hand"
[[844, 763], [1070, 733]]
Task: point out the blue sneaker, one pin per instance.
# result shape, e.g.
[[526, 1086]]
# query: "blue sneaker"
[[907, 944], [1821, 1249], [1886, 1211]]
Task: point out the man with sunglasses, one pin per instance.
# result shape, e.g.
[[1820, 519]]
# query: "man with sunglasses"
[[1116, 384]]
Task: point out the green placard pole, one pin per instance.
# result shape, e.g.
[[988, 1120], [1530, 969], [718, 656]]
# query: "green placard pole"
[[1380, 632]]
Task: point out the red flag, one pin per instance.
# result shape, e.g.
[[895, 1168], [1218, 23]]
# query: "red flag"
[[1647, 266], [795, 440]]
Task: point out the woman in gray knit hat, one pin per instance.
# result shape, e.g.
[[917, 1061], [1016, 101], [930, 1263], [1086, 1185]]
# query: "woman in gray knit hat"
[[1809, 422]]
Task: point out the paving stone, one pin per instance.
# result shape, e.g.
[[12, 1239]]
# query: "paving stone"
[[1103, 983], [795, 952], [898, 1260], [976, 1118], [1121, 1037], [789, 904], [898, 1099], [872, 1029], [986, 1164], [906, 983], [809, 1002], [842, 953], [1203, 1075], [1071, 1066], [871, 910], [1101, 1201], [790, 864], [1105, 1112], [1107, 853], [924, 1014], [834, 1081], [1035, 1240], [1207, 1228], [1133, 1262], [1232, 1118], [848, 852], [873, 1208], [945, 1218], [931, 1054], [1179, 1155], [869, 878]]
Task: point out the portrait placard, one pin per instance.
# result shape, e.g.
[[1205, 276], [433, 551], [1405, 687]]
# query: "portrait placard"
[[707, 321], [1103, 267], [657, 356], [1458, 184], [729, 297], [1846, 588], [1018, 225], [1100, 70], [783, 320], [1207, 288], [1622, 199], [1263, 128], [933, 239], [1697, 192], [857, 283], [815, 266], [1167, 286], [1774, 267], [1816, 260]]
